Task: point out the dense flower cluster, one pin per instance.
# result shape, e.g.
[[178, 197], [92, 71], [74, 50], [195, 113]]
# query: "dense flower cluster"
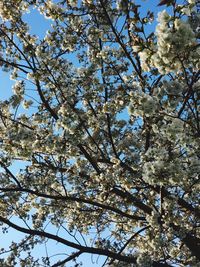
[[176, 46]]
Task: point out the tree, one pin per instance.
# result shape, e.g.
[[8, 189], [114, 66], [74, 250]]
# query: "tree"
[[105, 120]]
